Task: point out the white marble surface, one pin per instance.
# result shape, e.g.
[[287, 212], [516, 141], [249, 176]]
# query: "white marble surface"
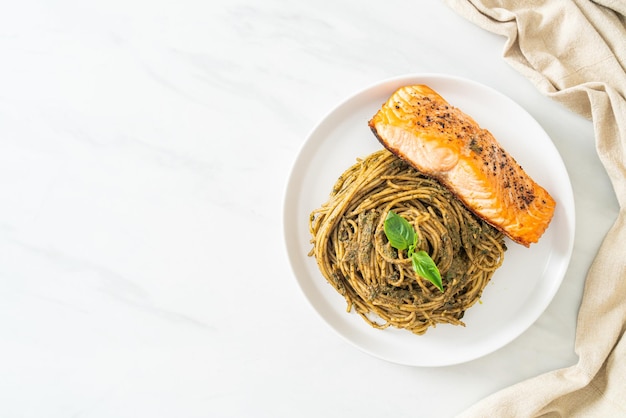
[[144, 151]]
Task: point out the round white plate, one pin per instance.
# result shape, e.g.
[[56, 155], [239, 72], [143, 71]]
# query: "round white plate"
[[519, 291]]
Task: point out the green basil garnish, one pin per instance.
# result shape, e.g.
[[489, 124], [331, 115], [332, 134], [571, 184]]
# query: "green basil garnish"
[[426, 268], [402, 236], [399, 231]]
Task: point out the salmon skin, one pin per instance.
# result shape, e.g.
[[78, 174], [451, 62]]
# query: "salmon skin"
[[441, 141]]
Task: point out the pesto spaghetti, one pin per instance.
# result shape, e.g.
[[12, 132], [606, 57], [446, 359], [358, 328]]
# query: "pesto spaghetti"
[[378, 281]]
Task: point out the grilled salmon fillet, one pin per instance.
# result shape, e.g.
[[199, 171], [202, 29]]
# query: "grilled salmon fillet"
[[441, 141]]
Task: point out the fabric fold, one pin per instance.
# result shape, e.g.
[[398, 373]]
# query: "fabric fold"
[[575, 53]]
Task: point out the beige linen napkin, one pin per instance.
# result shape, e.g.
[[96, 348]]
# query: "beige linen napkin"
[[574, 51]]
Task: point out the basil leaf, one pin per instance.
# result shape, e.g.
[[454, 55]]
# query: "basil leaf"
[[413, 246], [402, 236], [426, 268], [399, 231]]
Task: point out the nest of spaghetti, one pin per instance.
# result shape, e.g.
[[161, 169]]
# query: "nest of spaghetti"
[[378, 281]]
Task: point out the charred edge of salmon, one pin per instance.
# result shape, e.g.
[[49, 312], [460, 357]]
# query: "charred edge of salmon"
[[517, 239]]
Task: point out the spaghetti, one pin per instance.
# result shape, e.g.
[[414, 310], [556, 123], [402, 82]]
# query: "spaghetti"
[[378, 281]]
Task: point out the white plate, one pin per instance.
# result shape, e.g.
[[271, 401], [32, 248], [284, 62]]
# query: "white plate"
[[519, 291]]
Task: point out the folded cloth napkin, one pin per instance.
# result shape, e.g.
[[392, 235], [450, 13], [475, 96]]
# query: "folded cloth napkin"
[[574, 51]]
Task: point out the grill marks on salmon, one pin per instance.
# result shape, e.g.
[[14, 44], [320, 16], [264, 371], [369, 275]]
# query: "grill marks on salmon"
[[441, 141]]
